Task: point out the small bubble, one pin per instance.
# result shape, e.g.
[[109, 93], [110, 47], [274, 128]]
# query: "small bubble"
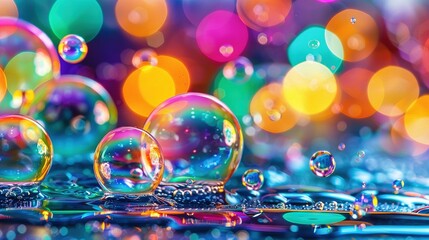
[[136, 172], [274, 115], [353, 20], [72, 48], [364, 185], [322, 163], [319, 205], [341, 146], [253, 179], [313, 44], [362, 226], [361, 154], [367, 202], [398, 184], [190, 181], [239, 69], [144, 57], [226, 50]]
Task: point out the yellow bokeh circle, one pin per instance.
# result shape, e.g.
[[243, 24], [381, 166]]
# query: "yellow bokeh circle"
[[141, 18], [416, 120], [391, 90], [309, 88]]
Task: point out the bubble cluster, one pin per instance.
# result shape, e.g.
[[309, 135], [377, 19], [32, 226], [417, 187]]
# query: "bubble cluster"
[[128, 160], [200, 137], [398, 184], [322, 163], [73, 108], [25, 151], [72, 48], [252, 179]]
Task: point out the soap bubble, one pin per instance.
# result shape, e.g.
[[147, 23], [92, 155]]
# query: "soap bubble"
[[76, 112], [341, 146], [128, 161], [144, 57], [353, 20], [322, 163], [72, 48], [199, 136], [25, 151], [398, 184], [252, 179], [367, 202], [28, 57], [240, 69]]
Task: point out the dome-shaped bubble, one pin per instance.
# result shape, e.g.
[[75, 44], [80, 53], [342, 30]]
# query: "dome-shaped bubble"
[[76, 112], [25, 151], [200, 137], [128, 160]]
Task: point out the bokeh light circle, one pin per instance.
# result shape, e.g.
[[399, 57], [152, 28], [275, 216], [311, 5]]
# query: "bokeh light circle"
[[26, 152], [141, 18], [360, 38], [8, 9], [146, 88], [199, 136], [392, 89], [416, 120], [29, 58], [222, 36], [178, 71], [128, 160], [309, 88], [270, 111], [259, 14], [80, 17], [3, 85], [76, 112]]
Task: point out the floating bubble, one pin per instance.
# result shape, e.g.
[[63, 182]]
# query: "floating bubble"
[[313, 44], [239, 69], [128, 161], [353, 20], [319, 205], [199, 136], [73, 108], [28, 57], [361, 154], [341, 146], [367, 202], [252, 179], [363, 185], [25, 151], [144, 57], [322, 163], [72, 48], [398, 184]]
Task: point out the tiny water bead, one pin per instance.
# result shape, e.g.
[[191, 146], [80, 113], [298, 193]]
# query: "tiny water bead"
[[252, 179], [144, 57], [322, 163], [128, 160], [341, 146], [361, 154], [398, 184], [73, 108], [200, 137], [25, 151], [72, 48], [313, 44], [239, 69]]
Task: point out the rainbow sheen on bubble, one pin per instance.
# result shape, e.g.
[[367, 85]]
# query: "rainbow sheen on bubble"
[[128, 160], [252, 179], [72, 48], [241, 69], [76, 112], [366, 201], [144, 57], [200, 137], [398, 184], [322, 164], [25, 151], [28, 57]]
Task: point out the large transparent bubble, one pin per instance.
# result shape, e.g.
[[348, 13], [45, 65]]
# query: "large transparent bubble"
[[25, 151], [76, 112], [128, 160], [200, 137]]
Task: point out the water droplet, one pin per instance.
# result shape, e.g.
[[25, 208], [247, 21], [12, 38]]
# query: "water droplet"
[[398, 184], [322, 163], [341, 146], [367, 202], [190, 181], [136, 172], [313, 44], [319, 205], [361, 154], [353, 20], [253, 179]]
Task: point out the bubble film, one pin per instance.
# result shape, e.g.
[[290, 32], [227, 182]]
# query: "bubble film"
[[200, 137], [322, 163], [76, 112], [252, 179], [398, 184], [72, 48], [28, 57], [25, 151], [128, 160]]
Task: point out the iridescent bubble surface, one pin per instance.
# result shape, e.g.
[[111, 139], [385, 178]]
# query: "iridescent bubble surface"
[[199, 136], [240, 69], [25, 151], [252, 179], [73, 108], [72, 48], [398, 184], [367, 202], [144, 57], [322, 163], [128, 160], [28, 57]]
